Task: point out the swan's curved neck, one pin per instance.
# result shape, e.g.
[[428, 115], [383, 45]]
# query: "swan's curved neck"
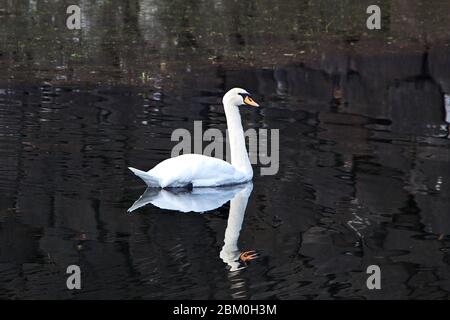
[[239, 155]]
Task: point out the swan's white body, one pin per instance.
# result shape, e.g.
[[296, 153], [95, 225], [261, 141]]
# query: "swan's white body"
[[192, 169], [202, 171]]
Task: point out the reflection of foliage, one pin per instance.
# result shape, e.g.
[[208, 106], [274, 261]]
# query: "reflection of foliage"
[[134, 34]]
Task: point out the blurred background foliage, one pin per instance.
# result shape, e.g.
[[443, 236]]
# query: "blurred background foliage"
[[125, 41]]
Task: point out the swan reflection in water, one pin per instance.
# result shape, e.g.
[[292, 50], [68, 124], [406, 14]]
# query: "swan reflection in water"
[[447, 113], [207, 199]]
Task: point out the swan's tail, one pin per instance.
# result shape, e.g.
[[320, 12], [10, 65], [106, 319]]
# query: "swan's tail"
[[148, 178]]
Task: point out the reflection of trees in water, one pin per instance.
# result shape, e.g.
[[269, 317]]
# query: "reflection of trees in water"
[[384, 142], [122, 39]]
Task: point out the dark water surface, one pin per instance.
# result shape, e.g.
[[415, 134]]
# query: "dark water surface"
[[364, 153], [363, 179]]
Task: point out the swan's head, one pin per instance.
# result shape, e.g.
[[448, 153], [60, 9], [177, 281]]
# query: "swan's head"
[[239, 97]]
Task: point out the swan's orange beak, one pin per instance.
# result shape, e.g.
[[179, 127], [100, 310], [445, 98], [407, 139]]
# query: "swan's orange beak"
[[248, 256], [250, 102]]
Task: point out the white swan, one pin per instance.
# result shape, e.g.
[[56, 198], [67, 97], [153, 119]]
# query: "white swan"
[[202, 171]]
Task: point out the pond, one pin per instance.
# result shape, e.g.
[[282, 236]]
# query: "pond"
[[364, 159]]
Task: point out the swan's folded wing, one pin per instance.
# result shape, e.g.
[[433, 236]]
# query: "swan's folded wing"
[[195, 169]]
